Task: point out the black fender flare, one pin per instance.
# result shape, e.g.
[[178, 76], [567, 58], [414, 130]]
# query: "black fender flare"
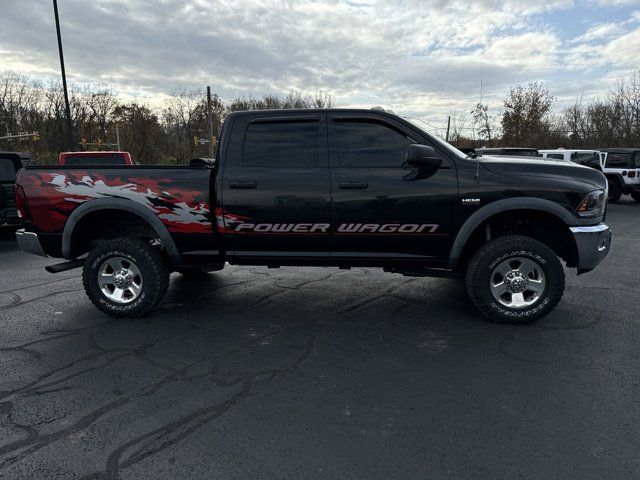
[[119, 204], [499, 206]]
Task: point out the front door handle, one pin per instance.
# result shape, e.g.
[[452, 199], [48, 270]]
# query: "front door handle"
[[245, 185], [353, 185]]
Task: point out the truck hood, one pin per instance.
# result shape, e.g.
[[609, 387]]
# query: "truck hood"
[[539, 167]]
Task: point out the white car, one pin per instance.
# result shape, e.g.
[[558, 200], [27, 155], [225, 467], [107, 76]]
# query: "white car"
[[590, 158], [621, 166]]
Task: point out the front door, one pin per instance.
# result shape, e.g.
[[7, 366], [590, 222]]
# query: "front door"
[[276, 188], [382, 208]]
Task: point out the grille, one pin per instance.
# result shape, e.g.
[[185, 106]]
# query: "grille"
[[7, 195]]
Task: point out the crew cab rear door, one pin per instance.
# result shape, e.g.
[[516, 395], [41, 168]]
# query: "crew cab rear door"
[[276, 187], [382, 208]]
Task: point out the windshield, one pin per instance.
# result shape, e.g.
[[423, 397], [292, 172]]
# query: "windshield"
[[7, 170], [419, 124]]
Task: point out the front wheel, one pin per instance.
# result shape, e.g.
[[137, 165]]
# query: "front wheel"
[[125, 277], [515, 279]]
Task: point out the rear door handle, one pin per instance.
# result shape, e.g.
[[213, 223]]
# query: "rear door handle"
[[353, 185], [246, 185]]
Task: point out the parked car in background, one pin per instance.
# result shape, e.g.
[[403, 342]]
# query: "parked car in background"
[[95, 158], [621, 166], [589, 158], [10, 163], [509, 151]]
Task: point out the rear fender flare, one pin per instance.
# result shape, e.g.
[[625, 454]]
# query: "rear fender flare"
[[499, 206], [119, 204]]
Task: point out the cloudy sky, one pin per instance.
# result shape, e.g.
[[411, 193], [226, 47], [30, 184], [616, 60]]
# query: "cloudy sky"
[[424, 58]]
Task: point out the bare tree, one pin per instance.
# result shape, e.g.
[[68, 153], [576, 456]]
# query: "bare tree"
[[525, 120], [484, 122]]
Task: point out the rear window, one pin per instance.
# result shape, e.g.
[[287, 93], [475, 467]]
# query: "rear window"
[[7, 170], [618, 160], [591, 159], [115, 159], [290, 144]]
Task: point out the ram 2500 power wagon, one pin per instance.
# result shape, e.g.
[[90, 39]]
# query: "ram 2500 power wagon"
[[339, 188]]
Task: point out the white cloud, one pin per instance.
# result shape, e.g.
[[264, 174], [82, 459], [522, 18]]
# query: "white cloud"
[[421, 56]]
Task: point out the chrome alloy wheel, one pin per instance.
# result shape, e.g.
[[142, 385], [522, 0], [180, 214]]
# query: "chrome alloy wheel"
[[120, 280], [517, 282]]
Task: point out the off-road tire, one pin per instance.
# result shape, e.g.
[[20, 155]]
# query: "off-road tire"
[[635, 196], [615, 191], [481, 268], [152, 267]]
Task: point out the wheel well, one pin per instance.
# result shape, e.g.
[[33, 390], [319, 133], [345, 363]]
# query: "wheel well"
[[108, 224], [545, 227], [615, 177]]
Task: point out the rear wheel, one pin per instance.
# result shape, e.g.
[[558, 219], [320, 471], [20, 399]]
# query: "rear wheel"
[[125, 277], [615, 191], [515, 279], [635, 196]]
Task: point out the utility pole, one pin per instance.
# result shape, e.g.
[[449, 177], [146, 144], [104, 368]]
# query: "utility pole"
[[448, 127], [64, 79], [209, 122], [118, 137]]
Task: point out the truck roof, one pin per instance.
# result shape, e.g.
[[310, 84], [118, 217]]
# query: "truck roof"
[[93, 153], [620, 150], [367, 111]]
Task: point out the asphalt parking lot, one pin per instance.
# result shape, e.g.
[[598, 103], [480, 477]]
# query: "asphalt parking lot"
[[320, 373]]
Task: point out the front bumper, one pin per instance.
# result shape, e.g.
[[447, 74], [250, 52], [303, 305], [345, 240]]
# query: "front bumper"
[[594, 243], [29, 242]]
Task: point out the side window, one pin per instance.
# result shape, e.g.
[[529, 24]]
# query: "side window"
[[586, 158], [618, 160], [370, 144], [282, 144]]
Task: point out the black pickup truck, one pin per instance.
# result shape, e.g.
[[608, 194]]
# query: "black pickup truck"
[[339, 188], [10, 164]]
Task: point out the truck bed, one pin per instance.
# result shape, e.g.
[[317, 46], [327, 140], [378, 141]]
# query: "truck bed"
[[178, 196]]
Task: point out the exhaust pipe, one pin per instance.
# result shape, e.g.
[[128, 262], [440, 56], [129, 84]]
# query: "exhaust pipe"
[[64, 266]]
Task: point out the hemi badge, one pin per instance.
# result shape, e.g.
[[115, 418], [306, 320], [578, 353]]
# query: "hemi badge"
[[471, 201]]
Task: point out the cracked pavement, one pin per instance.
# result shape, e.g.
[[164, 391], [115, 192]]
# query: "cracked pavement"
[[319, 373]]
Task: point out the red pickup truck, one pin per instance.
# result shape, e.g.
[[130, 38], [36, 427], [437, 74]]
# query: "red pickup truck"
[[95, 158]]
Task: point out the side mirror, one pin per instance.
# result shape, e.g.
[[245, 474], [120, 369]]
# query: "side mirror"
[[424, 157]]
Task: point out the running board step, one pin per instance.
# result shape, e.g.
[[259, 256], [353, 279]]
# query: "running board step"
[[64, 266]]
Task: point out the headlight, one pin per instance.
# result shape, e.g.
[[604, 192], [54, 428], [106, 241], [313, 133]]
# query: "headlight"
[[592, 205]]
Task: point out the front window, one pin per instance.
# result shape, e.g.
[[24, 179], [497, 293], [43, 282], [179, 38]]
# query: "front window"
[[363, 143], [442, 143]]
